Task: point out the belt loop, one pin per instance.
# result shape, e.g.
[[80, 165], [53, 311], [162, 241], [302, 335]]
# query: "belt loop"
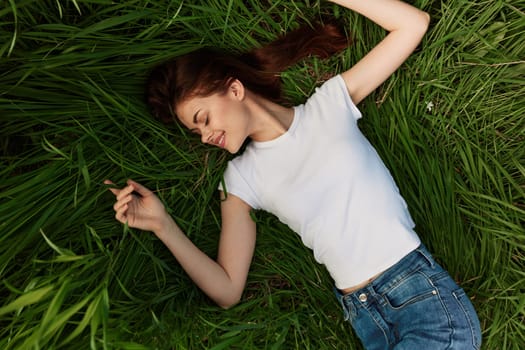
[[426, 254], [340, 297]]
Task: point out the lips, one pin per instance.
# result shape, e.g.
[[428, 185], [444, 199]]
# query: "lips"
[[220, 140]]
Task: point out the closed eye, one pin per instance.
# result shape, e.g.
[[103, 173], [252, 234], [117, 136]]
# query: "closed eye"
[[196, 130]]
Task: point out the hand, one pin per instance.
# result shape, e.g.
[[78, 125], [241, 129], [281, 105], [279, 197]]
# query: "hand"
[[142, 210]]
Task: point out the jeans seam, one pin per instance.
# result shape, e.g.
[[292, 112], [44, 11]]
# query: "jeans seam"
[[447, 312], [372, 314], [467, 316]]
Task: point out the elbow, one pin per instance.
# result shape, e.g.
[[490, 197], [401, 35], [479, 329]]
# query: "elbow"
[[419, 25], [229, 300], [424, 21], [229, 303], [227, 306]]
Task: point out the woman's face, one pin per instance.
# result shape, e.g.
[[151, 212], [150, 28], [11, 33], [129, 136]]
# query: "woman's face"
[[222, 120]]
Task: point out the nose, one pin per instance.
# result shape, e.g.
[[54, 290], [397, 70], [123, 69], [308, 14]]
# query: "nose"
[[205, 135]]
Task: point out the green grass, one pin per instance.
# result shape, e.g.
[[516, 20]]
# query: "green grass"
[[449, 124]]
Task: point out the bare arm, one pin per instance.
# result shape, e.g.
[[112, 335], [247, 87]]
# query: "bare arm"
[[222, 280], [406, 26]]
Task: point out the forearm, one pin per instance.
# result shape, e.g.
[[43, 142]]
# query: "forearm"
[[405, 24], [207, 274], [392, 15]]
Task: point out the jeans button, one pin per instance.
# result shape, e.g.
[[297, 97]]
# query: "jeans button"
[[362, 297]]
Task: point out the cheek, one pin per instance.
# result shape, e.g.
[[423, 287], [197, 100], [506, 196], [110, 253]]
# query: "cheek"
[[239, 115], [230, 116], [226, 117]]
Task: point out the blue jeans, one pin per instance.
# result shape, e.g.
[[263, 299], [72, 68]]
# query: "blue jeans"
[[415, 304]]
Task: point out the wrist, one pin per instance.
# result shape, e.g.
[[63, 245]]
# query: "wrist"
[[166, 227]]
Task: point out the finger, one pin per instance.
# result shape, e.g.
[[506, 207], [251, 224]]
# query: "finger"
[[124, 192], [122, 202], [143, 191], [120, 215], [113, 190]]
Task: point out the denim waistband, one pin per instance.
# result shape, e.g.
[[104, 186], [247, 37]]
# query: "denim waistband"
[[393, 275]]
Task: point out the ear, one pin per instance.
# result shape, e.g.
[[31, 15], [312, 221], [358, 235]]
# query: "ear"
[[237, 90]]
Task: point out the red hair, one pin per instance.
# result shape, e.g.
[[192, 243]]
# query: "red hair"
[[207, 71]]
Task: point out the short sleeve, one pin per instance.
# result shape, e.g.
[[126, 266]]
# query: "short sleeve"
[[335, 93], [234, 183]]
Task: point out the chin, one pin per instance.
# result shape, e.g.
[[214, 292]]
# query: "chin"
[[232, 149], [229, 150], [236, 147]]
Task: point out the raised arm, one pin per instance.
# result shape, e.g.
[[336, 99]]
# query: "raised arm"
[[406, 26], [222, 280]]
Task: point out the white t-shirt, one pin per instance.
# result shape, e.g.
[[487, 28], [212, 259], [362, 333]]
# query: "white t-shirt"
[[327, 183]]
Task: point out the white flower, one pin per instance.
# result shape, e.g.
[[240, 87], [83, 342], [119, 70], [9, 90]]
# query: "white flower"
[[430, 105]]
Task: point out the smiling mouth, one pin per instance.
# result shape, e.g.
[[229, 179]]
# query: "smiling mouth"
[[220, 141]]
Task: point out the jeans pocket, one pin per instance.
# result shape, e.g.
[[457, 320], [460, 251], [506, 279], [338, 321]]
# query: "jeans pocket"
[[411, 289], [419, 314], [471, 316]]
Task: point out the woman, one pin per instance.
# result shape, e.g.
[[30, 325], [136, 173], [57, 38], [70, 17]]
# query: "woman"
[[336, 194]]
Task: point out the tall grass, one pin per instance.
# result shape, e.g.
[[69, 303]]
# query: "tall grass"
[[449, 124]]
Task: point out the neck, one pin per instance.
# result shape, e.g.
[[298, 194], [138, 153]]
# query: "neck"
[[269, 120]]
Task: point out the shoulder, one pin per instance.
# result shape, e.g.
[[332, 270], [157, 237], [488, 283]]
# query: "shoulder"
[[238, 180], [333, 86], [332, 98]]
